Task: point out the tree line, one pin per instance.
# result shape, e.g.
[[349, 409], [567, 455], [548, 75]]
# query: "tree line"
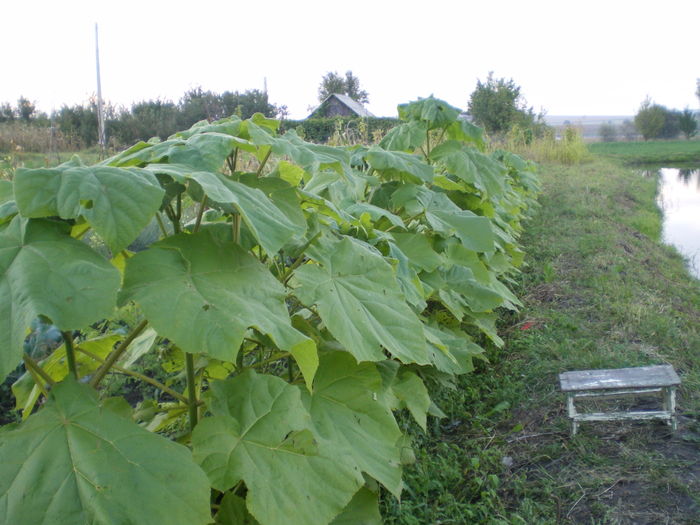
[[76, 125]]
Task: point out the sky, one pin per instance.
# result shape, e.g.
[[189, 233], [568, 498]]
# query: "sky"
[[570, 57]]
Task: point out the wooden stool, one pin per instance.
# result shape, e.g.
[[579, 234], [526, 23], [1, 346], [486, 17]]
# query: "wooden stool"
[[619, 383]]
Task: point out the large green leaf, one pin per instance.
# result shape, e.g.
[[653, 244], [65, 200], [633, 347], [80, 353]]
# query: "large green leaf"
[[75, 462], [400, 163], [472, 166], [270, 210], [233, 511], [311, 157], [465, 131], [348, 411], [437, 113], [451, 351], [360, 302], [259, 433], [229, 126], [117, 202], [445, 217], [405, 137], [204, 294], [363, 509], [44, 271], [476, 296], [419, 250]]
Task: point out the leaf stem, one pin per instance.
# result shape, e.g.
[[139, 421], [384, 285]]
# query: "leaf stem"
[[191, 390], [34, 368], [272, 359], [116, 354], [288, 274], [161, 225], [264, 161], [198, 222], [137, 375], [236, 227], [70, 353]]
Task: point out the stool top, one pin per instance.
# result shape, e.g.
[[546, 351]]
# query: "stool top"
[[638, 377]]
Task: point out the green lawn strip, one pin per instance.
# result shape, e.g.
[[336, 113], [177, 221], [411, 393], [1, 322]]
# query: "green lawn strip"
[[600, 291], [650, 152]]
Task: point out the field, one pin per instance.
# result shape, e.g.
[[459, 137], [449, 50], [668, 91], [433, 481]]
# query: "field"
[[599, 292], [650, 152]]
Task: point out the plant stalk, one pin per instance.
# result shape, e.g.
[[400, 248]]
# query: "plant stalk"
[[116, 354], [70, 353], [161, 225], [236, 227], [198, 222], [137, 375], [300, 259], [264, 161], [191, 391], [34, 368]]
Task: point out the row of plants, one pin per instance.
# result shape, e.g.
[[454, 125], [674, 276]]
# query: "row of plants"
[[297, 296]]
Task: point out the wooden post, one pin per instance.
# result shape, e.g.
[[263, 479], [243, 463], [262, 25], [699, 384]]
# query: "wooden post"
[[101, 136]]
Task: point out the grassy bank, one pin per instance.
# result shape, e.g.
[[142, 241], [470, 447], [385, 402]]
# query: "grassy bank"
[[650, 152], [599, 292]]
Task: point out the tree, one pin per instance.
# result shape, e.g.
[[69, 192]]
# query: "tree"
[[688, 124], [628, 130], [332, 82], [7, 114], [497, 105], [650, 119], [352, 88], [25, 109], [607, 132], [246, 104]]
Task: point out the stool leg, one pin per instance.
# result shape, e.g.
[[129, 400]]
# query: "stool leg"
[[572, 413], [670, 403]]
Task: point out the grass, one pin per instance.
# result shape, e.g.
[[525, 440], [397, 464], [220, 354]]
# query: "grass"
[[11, 160], [600, 291], [650, 152]]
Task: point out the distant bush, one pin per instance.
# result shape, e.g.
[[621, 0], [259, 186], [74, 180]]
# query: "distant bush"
[[607, 132], [687, 124], [569, 149], [654, 121]]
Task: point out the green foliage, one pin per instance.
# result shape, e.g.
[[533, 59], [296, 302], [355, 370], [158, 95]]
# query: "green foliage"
[[497, 105], [569, 149], [655, 121], [687, 124], [75, 127], [332, 82], [298, 296]]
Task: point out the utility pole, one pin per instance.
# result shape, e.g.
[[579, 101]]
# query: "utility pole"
[[101, 138]]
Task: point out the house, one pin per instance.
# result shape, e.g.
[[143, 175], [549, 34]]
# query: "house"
[[337, 105]]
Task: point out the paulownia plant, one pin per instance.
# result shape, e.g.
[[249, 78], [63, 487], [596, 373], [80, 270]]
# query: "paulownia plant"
[[303, 292]]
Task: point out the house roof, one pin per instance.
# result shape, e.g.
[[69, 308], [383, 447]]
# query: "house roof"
[[353, 105]]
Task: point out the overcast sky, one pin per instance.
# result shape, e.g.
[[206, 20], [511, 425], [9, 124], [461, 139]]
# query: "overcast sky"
[[570, 57]]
